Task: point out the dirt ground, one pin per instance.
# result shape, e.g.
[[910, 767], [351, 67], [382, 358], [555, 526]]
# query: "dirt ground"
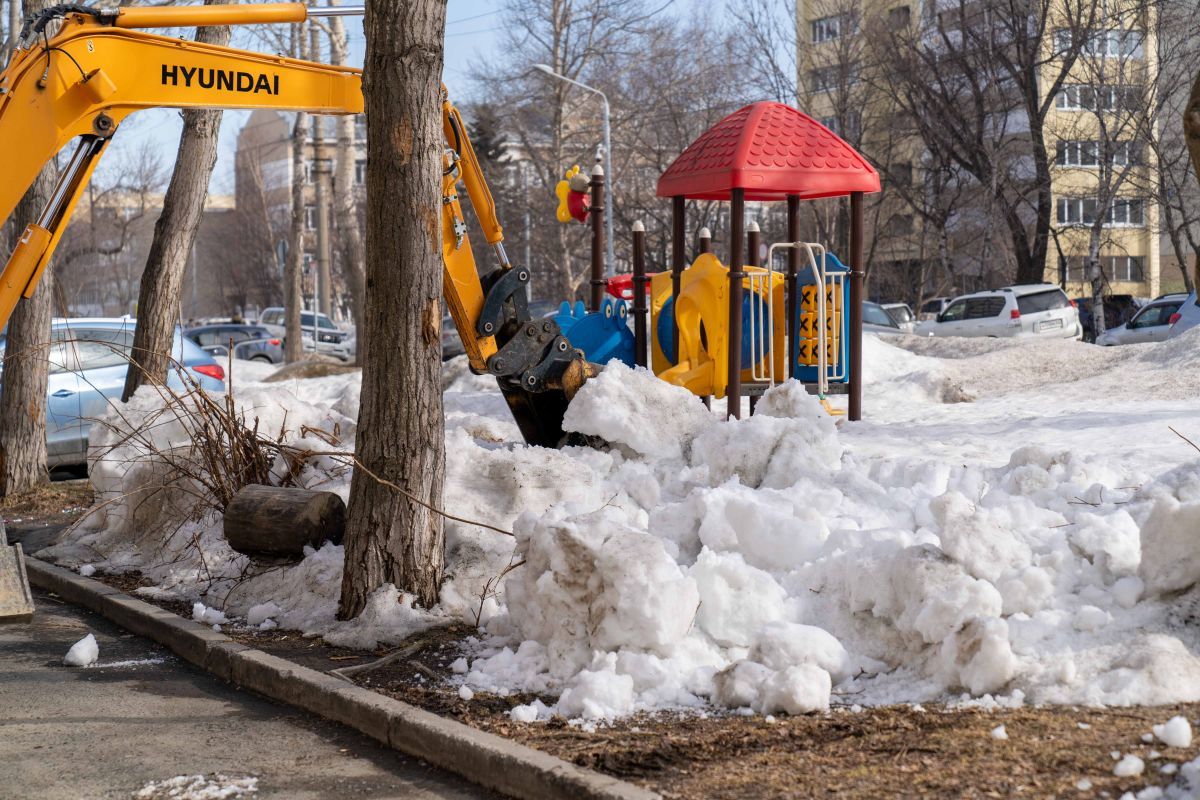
[[50, 504], [898, 751]]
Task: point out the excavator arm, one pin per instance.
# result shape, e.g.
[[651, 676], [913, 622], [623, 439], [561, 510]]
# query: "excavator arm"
[[79, 82]]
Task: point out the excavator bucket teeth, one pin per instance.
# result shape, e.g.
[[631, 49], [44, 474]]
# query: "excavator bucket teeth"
[[539, 416]]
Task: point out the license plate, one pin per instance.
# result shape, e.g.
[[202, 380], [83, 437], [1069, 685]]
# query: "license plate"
[[1050, 324]]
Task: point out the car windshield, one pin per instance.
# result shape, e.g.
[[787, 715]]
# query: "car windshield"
[[900, 313], [1042, 301], [931, 307], [306, 321], [877, 316]]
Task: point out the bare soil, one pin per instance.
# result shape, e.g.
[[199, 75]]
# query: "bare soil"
[[57, 503]]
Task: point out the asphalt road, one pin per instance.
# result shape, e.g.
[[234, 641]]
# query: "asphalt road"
[[141, 716]]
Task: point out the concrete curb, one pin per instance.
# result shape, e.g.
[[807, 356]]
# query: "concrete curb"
[[482, 758]]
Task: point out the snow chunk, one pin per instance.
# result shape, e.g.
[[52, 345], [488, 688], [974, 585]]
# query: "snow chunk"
[[597, 694], [465, 692], [1175, 732], [738, 685], [999, 732], [736, 599], [198, 787], [797, 690], [1170, 556], [1128, 766], [459, 666], [258, 614], [593, 583], [632, 407], [207, 616], [87, 570], [779, 645], [83, 652]]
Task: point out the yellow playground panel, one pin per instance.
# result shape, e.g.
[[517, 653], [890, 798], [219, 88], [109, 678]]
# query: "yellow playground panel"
[[701, 312]]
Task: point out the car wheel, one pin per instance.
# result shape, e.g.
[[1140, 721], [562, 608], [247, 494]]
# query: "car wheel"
[[262, 359]]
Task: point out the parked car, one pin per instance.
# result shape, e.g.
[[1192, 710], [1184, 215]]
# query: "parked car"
[[1118, 309], [1038, 309], [331, 340], [876, 320], [88, 362], [1151, 323], [1187, 317], [902, 314], [250, 342], [932, 307]]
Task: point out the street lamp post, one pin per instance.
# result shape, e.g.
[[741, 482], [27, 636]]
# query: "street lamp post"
[[608, 195]]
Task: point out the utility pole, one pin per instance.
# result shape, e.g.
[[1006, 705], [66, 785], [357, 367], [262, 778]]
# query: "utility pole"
[[322, 171]]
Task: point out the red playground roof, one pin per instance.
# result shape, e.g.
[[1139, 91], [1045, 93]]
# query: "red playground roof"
[[770, 150]]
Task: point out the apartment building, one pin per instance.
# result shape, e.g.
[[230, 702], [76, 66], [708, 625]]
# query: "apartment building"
[[1096, 132]]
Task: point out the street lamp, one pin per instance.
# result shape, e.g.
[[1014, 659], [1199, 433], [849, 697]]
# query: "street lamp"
[[608, 194]]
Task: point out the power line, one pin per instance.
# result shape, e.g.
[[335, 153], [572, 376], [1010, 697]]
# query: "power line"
[[477, 16], [471, 33]]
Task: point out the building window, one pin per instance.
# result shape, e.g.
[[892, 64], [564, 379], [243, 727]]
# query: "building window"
[[1129, 269], [310, 218], [850, 130], [360, 172], [1115, 43], [1087, 154], [827, 29], [1085, 97], [1124, 212], [899, 17], [826, 79], [900, 173]]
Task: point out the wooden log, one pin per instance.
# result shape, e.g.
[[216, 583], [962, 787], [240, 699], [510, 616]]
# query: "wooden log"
[[279, 521]]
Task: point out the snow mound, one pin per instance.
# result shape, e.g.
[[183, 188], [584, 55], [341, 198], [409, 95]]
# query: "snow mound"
[[1036, 544]]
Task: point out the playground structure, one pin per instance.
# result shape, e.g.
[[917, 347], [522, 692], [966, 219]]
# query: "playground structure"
[[736, 330]]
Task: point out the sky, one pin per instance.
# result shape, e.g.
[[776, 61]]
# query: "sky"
[[472, 32]]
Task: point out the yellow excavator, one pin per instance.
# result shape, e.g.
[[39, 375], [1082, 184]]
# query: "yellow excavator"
[[78, 71]]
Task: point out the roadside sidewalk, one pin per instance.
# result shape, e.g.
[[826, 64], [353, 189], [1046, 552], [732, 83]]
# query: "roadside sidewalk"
[[141, 715]]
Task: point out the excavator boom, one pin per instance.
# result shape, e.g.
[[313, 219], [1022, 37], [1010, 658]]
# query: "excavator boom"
[[80, 82]]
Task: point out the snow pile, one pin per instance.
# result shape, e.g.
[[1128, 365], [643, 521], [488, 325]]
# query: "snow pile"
[[1033, 544], [83, 653]]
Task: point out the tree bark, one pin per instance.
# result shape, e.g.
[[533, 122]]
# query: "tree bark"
[[26, 362], [174, 235], [293, 289], [389, 537]]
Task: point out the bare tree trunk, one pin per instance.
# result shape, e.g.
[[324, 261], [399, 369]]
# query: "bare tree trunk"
[[293, 288], [345, 204], [174, 236], [390, 538], [26, 365]]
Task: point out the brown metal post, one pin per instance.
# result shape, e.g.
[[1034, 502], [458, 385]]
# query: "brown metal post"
[[793, 267], [705, 240], [678, 261], [856, 304], [753, 237], [640, 282], [737, 210], [596, 213]]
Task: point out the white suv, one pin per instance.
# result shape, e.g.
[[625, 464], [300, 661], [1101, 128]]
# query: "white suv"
[[331, 340], [1187, 317], [1040, 309]]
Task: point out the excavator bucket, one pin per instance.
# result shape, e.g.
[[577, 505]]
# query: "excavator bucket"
[[540, 415]]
